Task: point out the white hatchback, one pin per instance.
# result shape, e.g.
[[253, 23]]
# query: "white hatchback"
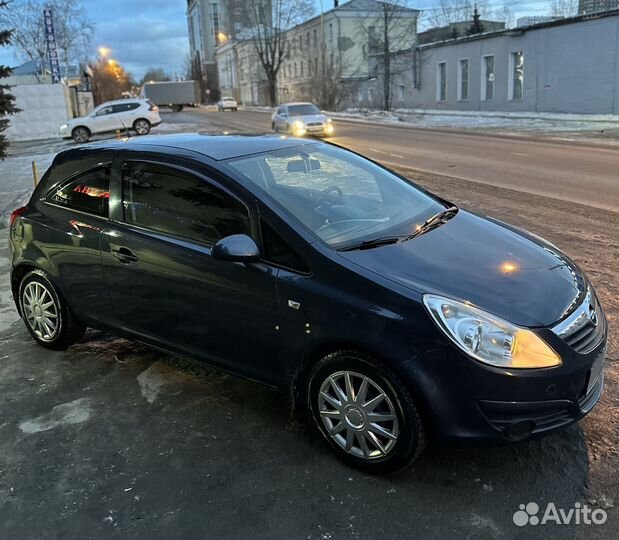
[[137, 115]]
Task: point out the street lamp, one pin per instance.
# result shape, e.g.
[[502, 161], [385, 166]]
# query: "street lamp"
[[104, 52]]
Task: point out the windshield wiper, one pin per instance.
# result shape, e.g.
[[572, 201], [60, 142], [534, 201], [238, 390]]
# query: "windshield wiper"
[[433, 221], [375, 242]]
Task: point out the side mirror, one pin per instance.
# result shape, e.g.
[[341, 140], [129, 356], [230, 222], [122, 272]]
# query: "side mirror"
[[236, 248]]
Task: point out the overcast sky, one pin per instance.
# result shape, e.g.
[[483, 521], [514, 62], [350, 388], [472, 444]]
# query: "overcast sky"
[[144, 33]]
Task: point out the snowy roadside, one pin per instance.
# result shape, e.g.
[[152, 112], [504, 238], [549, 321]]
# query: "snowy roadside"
[[600, 127]]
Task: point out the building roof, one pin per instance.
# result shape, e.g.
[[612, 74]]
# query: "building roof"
[[217, 147], [522, 29]]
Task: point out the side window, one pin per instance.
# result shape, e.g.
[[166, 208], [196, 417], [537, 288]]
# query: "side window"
[[105, 111], [87, 192], [124, 107], [174, 202], [278, 251]]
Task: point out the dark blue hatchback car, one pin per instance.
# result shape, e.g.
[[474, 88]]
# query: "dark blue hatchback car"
[[387, 313]]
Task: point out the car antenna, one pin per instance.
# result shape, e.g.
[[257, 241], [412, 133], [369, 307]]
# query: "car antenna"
[[124, 127]]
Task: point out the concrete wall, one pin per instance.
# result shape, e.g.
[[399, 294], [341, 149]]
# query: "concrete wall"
[[569, 68], [45, 107]]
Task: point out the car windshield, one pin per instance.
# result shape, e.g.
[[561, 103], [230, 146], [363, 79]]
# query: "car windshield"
[[342, 198], [301, 110]]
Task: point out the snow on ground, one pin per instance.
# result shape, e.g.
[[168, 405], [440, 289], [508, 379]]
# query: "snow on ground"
[[572, 125]]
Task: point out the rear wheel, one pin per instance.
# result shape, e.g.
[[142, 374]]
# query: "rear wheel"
[[141, 126], [47, 316], [80, 134], [364, 411], [177, 108]]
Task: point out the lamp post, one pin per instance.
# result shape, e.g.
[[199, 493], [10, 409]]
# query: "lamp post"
[[322, 53]]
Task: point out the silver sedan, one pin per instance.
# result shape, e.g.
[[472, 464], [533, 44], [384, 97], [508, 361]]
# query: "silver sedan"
[[300, 119]]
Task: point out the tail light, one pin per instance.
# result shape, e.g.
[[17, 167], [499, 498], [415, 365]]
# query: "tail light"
[[152, 106], [16, 213]]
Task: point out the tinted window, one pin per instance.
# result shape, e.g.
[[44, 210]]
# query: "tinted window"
[[124, 107], [277, 250], [178, 203], [87, 192], [300, 110]]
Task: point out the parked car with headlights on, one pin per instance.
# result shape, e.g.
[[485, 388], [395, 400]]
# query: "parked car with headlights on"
[[135, 115], [299, 119], [388, 313]]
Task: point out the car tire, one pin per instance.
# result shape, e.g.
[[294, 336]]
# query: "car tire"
[[80, 134], [395, 437], [141, 126], [46, 315], [177, 108]]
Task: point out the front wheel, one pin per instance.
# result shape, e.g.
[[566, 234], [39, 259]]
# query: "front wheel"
[[47, 316], [141, 126], [80, 134], [364, 411]]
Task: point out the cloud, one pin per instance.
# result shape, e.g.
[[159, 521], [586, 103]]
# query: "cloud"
[[142, 33]]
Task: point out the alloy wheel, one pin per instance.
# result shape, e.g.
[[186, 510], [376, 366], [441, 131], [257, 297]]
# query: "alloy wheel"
[[80, 135], [41, 312], [358, 414], [142, 127]]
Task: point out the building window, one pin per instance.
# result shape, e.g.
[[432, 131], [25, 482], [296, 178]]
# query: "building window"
[[372, 39], [215, 22], [400, 92], [371, 95], [331, 32], [487, 78], [441, 81], [315, 38], [302, 68], [463, 79], [516, 81], [307, 39], [359, 95], [295, 69]]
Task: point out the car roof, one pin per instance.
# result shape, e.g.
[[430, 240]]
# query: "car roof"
[[298, 103], [123, 100], [217, 147]]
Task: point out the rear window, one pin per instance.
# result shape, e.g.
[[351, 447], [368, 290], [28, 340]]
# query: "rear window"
[[87, 192]]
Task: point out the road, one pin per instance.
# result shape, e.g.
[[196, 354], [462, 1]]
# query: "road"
[[570, 171]]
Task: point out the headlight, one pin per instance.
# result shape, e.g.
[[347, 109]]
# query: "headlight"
[[487, 338], [63, 127], [298, 127]]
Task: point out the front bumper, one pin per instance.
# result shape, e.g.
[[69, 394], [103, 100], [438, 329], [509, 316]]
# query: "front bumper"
[[469, 403]]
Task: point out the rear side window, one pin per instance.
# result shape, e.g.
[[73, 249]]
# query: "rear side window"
[[177, 203], [124, 107], [87, 192]]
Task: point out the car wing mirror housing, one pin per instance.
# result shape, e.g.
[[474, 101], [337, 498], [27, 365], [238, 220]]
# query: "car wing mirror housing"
[[236, 248]]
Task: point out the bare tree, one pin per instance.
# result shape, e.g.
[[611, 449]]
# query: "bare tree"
[[451, 11], [74, 32], [392, 29], [270, 20], [155, 74], [563, 8]]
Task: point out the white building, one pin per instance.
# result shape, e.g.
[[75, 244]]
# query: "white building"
[[328, 56]]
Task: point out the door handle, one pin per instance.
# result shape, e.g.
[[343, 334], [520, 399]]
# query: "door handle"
[[124, 255]]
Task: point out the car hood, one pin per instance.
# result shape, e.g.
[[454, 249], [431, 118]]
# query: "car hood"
[[309, 118], [501, 269]]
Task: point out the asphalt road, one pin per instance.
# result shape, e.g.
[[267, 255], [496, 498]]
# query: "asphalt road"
[[571, 171]]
